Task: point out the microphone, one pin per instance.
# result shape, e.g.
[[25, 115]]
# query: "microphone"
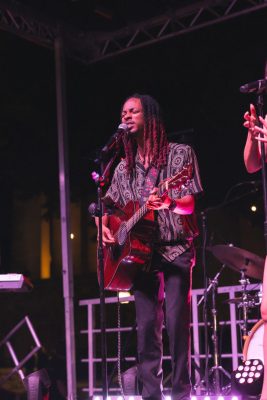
[[258, 87], [93, 210], [122, 129]]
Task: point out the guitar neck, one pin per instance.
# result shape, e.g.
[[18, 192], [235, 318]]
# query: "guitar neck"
[[176, 181], [136, 217]]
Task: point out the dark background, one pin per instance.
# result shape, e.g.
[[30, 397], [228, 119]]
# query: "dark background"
[[195, 77]]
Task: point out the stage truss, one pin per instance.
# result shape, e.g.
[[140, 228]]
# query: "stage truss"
[[90, 47]]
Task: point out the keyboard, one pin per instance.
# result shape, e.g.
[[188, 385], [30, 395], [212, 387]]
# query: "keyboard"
[[14, 283]]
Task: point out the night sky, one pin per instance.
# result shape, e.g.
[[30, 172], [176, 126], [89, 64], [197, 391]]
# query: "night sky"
[[195, 77]]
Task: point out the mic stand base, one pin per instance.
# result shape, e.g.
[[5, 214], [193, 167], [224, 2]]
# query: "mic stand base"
[[215, 371]]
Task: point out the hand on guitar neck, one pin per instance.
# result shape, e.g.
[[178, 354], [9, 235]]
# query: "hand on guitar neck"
[[182, 206]]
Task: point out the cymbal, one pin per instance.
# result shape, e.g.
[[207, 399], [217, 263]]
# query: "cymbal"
[[235, 300], [239, 260], [250, 301]]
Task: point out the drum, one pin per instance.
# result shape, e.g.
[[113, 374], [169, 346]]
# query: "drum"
[[253, 346]]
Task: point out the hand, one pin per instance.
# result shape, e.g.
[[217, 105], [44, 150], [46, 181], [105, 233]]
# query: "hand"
[[251, 121], [156, 202], [107, 236]]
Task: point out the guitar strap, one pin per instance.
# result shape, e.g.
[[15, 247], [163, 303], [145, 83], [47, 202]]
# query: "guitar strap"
[[150, 182]]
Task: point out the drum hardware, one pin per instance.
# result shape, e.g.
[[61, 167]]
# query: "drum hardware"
[[239, 260], [248, 264], [216, 369], [245, 302], [251, 302], [244, 282], [259, 295]]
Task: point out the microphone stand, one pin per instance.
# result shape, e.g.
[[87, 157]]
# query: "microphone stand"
[[217, 368], [205, 297], [263, 168], [101, 180]]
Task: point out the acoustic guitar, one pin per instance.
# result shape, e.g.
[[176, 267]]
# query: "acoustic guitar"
[[133, 228]]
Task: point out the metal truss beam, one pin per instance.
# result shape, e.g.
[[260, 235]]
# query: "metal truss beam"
[[41, 29], [21, 21], [176, 22], [90, 47]]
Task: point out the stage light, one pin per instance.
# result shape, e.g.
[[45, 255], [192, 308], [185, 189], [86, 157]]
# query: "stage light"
[[123, 295], [247, 379], [253, 208], [194, 397]]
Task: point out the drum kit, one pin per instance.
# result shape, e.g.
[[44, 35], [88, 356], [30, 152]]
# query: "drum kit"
[[249, 265]]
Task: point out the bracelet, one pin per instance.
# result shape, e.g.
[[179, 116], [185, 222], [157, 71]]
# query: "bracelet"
[[172, 205]]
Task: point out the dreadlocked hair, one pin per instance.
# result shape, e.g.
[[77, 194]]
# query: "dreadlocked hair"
[[154, 135]]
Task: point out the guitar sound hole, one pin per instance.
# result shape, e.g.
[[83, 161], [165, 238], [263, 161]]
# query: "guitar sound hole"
[[115, 251]]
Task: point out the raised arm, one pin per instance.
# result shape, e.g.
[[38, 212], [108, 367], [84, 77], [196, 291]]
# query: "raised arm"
[[252, 153]]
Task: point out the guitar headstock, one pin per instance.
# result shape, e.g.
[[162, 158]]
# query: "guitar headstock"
[[180, 179]]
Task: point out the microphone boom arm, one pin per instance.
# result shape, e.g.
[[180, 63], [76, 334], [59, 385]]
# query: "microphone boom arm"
[[115, 139]]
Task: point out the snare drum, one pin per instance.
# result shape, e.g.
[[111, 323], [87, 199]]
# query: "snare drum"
[[253, 346]]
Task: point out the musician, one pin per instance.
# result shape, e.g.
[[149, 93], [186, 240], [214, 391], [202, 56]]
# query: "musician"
[[252, 159], [149, 159]]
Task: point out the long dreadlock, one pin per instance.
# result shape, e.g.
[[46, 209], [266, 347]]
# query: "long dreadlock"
[[154, 134]]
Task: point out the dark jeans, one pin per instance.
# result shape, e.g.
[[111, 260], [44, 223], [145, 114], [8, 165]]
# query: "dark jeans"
[[175, 280]]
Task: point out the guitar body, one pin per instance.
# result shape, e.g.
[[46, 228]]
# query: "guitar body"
[[122, 261]]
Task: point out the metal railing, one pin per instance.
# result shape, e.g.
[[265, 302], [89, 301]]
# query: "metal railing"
[[228, 319]]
